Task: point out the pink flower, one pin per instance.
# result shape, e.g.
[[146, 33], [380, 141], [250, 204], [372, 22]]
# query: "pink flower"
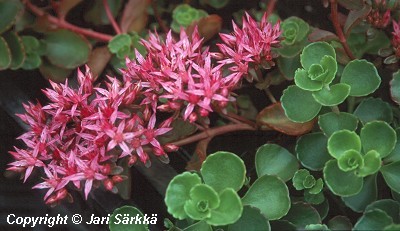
[[249, 46], [396, 38]]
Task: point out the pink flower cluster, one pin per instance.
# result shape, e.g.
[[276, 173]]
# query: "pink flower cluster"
[[396, 38], [249, 47], [78, 137]]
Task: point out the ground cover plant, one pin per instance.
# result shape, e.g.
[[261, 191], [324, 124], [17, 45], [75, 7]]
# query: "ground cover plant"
[[141, 80]]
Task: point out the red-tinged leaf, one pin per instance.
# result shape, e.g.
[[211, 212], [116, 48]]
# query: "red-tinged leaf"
[[134, 17], [274, 117], [395, 87], [65, 6], [321, 35], [208, 26], [98, 60], [351, 4], [355, 17]]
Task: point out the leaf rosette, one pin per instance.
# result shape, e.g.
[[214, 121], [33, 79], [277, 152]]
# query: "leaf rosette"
[[294, 32], [183, 15]]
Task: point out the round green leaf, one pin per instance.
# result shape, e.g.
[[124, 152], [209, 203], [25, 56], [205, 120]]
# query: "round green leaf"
[[294, 29], [391, 175], [340, 223], [302, 214], [229, 211], [378, 136], [314, 52], [32, 61], [223, 170], [309, 182], [373, 220], [389, 206], [332, 122], [269, 194], [203, 199], [304, 82], [361, 76], [339, 182], [319, 184], [17, 49], [314, 198], [119, 42], [395, 154], [8, 12], [372, 164], [350, 160], [322, 208], [342, 141], [299, 105], [395, 87], [311, 150], [317, 227], [273, 159], [251, 220], [117, 223], [392, 227], [217, 4], [5, 54], [333, 96], [56, 74], [371, 109], [299, 178], [288, 66], [66, 49], [282, 225], [367, 195], [178, 192]]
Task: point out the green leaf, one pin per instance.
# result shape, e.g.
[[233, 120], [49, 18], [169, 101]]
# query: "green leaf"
[[395, 154], [55, 73], [392, 227], [372, 164], [341, 183], [201, 225], [313, 198], [361, 76], [223, 170], [378, 136], [330, 68], [288, 66], [312, 152], [314, 52], [181, 128], [340, 223], [333, 96], [66, 49], [217, 4], [319, 184], [8, 12], [203, 199], [273, 159], [395, 87], [5, 54], [17, 49], [299, 105], [294, 30], [299, 178], [119, 221], [32, 61], [178, 192], [229, 211], [389, 206], [373, 220], [303, 81], [391, 175], [269, 194], [302, 214], [367, 195], [183, 15], [118, 42], [332, 122], [374, 109], [350, 160], [342, 141], [251, 220], [282, 225], [316, 227], [98, 16]]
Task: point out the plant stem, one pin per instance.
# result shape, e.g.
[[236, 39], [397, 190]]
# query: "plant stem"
[[111, 17], [335, 109], [270, 95], [64, 24], [212, 132], [271, 7], [158, 17], [338, 29]]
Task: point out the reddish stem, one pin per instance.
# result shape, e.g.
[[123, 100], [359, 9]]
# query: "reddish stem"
[[64, 24], [212, 132], [338, 29], [111, 17], [271, 7], [158, 17]]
